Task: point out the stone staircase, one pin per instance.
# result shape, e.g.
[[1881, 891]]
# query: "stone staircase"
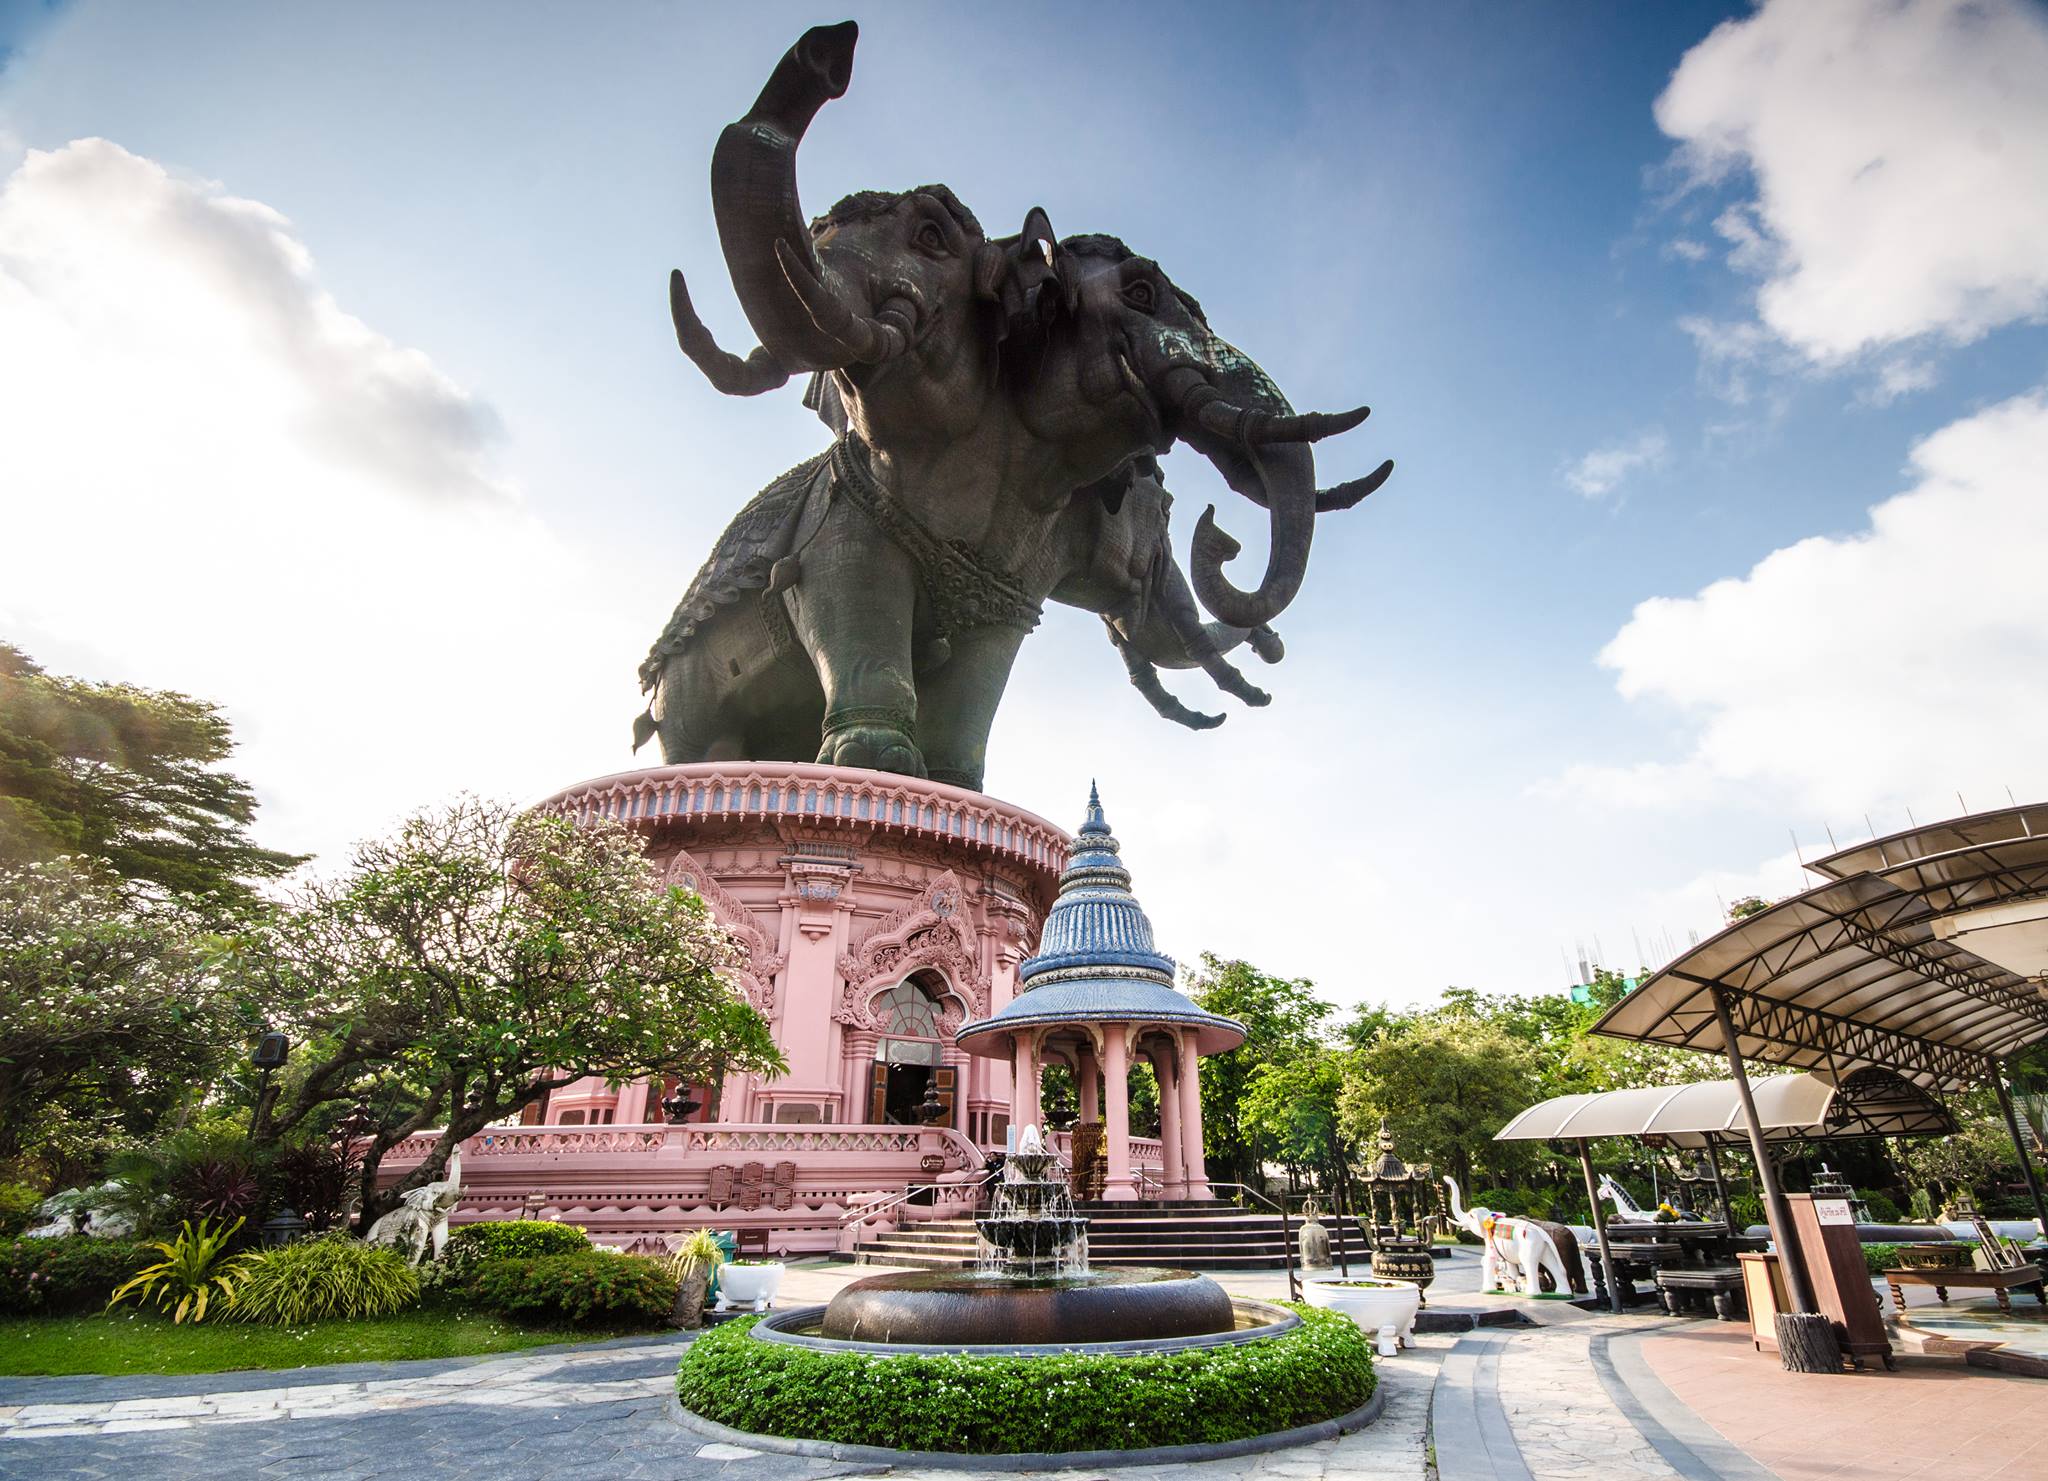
[[1186, 1234]]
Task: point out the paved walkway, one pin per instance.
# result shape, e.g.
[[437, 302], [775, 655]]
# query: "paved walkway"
[[1579, 1396]]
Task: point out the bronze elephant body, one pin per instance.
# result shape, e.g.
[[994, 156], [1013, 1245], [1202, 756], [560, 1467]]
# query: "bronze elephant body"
[[997, 404]]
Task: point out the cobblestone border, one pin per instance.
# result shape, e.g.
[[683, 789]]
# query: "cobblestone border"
[[1687, 1443], [1157, 1455]]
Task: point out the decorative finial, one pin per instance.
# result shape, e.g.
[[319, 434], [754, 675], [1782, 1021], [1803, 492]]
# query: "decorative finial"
[[1094, 822]]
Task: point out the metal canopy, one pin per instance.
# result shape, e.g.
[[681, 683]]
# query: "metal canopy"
[[1791, 1108], [1850, 973]]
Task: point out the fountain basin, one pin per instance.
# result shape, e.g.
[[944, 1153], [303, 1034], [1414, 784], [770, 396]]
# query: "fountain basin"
[[926, 1308]]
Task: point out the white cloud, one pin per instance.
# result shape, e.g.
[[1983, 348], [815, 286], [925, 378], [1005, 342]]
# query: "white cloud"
[[1602, 471], [215, 479], [1854, 673], [1899, 153]]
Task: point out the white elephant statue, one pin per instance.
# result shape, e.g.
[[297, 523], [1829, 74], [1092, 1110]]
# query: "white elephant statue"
[[1517, 1252], [420, 1221]]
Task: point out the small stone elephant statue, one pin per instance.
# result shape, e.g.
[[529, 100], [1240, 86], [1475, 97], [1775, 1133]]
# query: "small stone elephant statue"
[[420, 1221]]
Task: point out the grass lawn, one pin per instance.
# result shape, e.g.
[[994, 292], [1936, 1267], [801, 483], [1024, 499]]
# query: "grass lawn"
[[131, 1341]]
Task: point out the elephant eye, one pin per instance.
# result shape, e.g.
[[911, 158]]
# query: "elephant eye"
[[930, 237], [1141, 296]]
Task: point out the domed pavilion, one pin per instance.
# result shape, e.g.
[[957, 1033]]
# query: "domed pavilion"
[[1099, 997]]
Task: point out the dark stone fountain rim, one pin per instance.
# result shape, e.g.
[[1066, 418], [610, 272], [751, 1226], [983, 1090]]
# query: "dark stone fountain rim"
[[777, 1327]]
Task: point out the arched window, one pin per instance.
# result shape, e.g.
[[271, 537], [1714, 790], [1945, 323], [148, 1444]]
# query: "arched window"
[[907, 1010], [909, 1056]]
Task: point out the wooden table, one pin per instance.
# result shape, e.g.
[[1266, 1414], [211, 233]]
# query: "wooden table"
[[1999, 1282]]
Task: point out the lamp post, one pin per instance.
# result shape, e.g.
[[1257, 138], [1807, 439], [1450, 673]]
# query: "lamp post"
[[270, 1053]]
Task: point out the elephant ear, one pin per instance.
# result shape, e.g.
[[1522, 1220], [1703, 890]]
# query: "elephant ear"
[[822, 396], [1023, 275]]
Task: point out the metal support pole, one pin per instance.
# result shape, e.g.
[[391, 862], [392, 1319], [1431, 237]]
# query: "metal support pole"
[[1720, 1188], [1777, 1212], [1599, 1228], [2019, 1145]]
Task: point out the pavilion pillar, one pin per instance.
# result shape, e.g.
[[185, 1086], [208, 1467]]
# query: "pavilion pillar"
[[1087, 1102], [1116, 1112], [1024, 1076], [1600, 1229], [1189, 1077], [2019, 1145], [1806, 1339], [1173, 1170]]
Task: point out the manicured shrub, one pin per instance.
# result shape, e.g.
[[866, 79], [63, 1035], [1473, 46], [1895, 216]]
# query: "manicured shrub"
[[1883, 1257], [323, 1279], [1882, 1209], [72, 1272], [502, 1239], [196, 1272], [589, 1286], [1004, 1405], [18, 1203]]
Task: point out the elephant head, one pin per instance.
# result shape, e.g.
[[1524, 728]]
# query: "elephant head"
[[1143, 345], [898, 296]]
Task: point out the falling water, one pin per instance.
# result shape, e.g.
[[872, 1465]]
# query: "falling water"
[[1031, 1230]]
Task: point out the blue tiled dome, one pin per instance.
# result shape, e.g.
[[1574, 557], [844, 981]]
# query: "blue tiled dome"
[[1096, 960]]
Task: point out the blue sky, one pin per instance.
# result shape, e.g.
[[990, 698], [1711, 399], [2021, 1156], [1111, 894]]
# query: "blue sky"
[[1639, 303]]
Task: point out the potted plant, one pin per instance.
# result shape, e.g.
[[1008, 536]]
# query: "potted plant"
[[749, 1283], [1383, 1307], [694, 1263]]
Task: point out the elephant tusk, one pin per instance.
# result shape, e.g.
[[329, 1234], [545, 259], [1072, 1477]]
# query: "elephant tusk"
[[1344, 495], [1255, 428], [1045, 249], [868, 341], [728, 372]]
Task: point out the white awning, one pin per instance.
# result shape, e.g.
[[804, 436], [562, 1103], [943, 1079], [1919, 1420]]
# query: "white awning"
[[1790, 1108]]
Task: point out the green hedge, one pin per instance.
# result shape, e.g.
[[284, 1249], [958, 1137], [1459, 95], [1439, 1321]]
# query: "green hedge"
[[590, 1286], [1002, 1405], [504, 1239], [71, 1272]]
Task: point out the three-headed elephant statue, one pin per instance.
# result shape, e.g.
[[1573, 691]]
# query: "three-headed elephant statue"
[[867, 607]]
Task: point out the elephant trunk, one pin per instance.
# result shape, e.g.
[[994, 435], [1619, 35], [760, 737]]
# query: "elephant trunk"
[[800, 317]]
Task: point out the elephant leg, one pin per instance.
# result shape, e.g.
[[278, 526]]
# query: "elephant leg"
[[852, 610], [956, 702]]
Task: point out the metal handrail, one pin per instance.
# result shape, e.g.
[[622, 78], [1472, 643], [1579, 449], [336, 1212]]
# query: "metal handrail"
[[869, 1210], [1286, 1233]]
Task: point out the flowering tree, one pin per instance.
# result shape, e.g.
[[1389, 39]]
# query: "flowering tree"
[[112, 1002], [482, 957]]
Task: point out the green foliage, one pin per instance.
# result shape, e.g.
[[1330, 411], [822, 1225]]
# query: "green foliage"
[[1882, 1257], [701, 1251], [18, 1203], [128, 1340], [1746, 1210], [1444, 1083], [592, 1286], [126, 776], [484, 956], [505, 1239], [1004, 1405], [1283, 1019], [71, 1272], [195, 1269], [113, 1006], [323, 1279], [1882, 1209], [1291, 1106], [1922, 1205]]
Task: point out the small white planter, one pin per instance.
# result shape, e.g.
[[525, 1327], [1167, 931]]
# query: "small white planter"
[[748, 1285], [1385, 1308]]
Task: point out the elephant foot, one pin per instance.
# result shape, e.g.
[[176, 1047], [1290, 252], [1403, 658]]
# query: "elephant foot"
[[874, 744]]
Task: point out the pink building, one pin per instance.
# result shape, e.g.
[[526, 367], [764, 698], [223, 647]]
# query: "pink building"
[[879, 913]]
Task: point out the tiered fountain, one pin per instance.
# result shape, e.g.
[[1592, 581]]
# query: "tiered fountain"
[[1032, 1284]]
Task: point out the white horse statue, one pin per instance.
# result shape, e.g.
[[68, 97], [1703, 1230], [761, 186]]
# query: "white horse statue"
[[1517, 1252], [1633, 1212], [420, 1221]]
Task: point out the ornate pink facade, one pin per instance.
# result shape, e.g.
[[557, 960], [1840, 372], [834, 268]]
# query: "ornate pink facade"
[[878, 913]]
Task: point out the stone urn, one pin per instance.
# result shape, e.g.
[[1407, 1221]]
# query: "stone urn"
[[748, 1283], [1384, 1308], [1412, 1264]]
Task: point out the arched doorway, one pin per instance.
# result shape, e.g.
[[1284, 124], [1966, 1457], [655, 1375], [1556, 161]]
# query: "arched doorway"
[[911, 1053]]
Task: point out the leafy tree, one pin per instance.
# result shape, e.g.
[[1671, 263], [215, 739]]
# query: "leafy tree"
[[1291, 1108], [127, 776], [483, 957], [112, 1005], [1283, 1018], [1445, 1083]]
